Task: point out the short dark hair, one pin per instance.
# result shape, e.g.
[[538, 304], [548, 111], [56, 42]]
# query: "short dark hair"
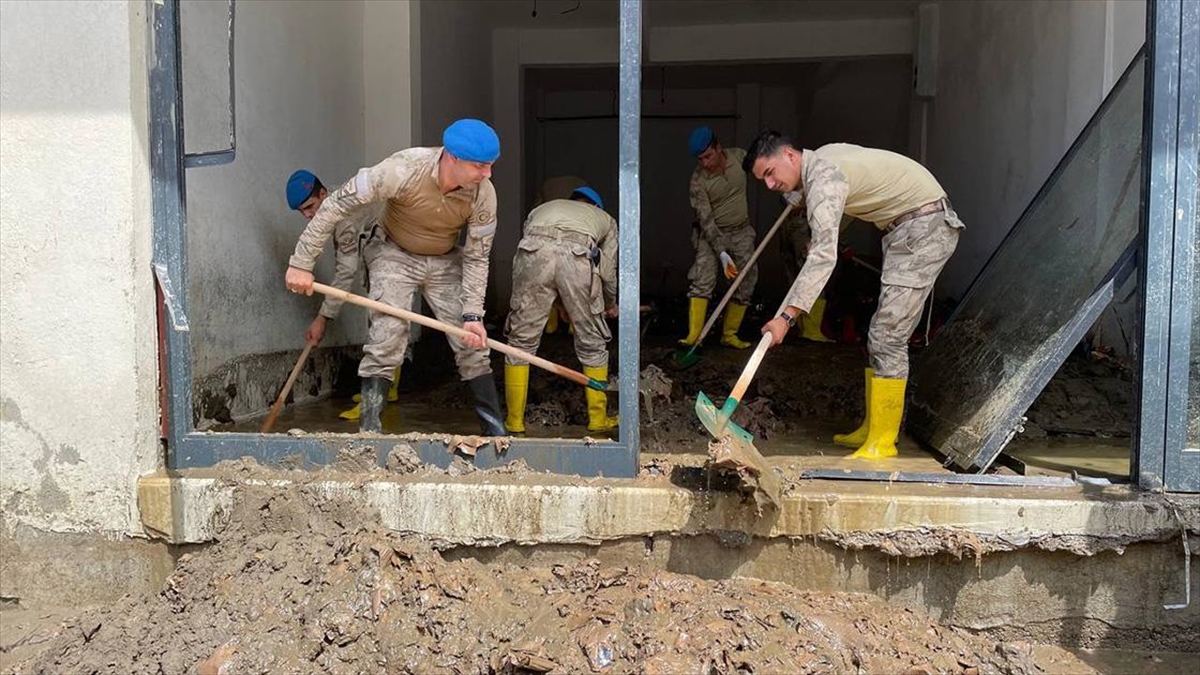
[[768, 143], [317, 187]]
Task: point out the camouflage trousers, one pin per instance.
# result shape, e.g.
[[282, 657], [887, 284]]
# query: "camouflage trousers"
[[396, 276], [707, 265], [913, 256], [546, 267]]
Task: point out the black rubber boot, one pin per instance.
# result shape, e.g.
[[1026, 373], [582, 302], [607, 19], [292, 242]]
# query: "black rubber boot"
[[487, 405], [374, 393]]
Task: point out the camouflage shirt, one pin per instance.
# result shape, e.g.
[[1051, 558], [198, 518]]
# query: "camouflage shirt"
[[416, 215], [875, 185], [720, 199], [346, 242]]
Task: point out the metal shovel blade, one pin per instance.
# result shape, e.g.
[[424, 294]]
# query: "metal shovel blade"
[[684, 359], [718, 422]]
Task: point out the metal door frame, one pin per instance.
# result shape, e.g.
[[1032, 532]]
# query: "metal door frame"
[[1170, 233], [187, 447]]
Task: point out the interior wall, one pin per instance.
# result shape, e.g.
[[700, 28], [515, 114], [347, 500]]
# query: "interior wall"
[[1016, 84], [78, 353], [801, 99], [514, 50], [391, 76], [300, 103], [455, 65]]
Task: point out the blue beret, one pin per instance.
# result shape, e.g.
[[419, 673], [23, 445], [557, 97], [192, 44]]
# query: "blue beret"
[[300, 187], [701, 138], [590, 194], [472, 140]]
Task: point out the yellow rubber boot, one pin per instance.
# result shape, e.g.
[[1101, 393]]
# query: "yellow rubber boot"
[[516, 389], [810, 324], [393, 395], [887, 409], [857, 437], [552, 321], [733, 321], [697, 309], [597, 402]]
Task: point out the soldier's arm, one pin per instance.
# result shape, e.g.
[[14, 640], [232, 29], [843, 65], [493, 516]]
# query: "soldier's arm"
[[708, 225], [345, 267], [609, 246], [370, 186], [826, 200], [481, 230]]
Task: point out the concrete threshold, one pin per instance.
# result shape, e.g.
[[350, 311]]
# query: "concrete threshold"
[[489, 509]]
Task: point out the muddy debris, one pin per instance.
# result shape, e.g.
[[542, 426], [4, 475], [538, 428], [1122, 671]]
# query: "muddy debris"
[[654, 387], [756, 479], [301, 583], [546, 414]]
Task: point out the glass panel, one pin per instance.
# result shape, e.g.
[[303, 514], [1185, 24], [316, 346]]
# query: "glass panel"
[[1030, 305]]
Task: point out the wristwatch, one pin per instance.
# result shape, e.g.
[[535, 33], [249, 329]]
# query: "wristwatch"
[[791, 320], [469, 318]]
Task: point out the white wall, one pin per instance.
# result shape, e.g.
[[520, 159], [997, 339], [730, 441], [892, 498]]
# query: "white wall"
[[391, 76], [78, 401], [300, 103], [1016, 84]]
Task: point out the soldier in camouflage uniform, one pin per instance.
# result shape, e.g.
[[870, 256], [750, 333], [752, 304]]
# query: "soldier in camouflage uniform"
[[306, 193], [901, 198], [568, 250], [723, 239], [429, 196]]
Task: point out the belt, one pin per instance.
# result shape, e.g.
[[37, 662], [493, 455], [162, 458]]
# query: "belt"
[[940, 205], [561, 235]]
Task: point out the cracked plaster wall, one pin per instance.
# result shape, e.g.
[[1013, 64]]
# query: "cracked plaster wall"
[[78, 408]]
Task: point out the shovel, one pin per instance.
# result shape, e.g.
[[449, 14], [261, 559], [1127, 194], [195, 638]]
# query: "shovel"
[[287, 387], [717, 422], [562, 371], [687, 359]]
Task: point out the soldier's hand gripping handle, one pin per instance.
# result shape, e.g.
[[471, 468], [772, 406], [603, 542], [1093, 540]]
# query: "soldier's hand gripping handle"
[[299, 281]]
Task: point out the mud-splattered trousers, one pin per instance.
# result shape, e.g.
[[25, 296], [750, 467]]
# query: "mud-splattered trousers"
[[914, 253], [396, 275], [577, 265], [739, 243]]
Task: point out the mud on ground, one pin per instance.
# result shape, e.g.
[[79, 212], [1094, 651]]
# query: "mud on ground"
[[300, 584]]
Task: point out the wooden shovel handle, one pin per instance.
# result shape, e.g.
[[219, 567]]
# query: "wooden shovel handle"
[[270, 421], [712, 318], [756, 358], [562, 371]]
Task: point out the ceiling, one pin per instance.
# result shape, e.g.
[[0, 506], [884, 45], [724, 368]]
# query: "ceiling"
[[599, 13]]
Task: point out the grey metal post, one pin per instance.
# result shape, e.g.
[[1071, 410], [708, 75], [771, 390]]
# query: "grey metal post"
[[1162, 381], [170, 233], [629, 276]]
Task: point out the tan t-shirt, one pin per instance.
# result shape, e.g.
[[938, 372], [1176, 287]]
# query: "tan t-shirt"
[[724, 194], [883, 185]]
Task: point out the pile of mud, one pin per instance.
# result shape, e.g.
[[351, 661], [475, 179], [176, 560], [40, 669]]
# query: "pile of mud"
[[797, 385], [295, 585]]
